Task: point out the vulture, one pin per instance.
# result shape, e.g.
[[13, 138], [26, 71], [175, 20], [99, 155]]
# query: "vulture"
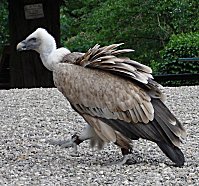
[[116, 96]]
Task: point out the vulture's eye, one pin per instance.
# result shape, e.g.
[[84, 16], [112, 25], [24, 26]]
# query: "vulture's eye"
[[33, 39]]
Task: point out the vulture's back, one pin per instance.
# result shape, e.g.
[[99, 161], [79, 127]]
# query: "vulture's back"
[[76, 81]]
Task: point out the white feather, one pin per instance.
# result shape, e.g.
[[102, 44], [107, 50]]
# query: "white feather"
[[48, 51]]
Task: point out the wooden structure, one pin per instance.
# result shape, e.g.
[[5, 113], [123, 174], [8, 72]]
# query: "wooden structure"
[[25, 16], [4, 68]]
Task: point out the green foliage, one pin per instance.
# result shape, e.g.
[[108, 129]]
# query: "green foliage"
[[145, 26], [4, 24], [110, 21], [72, 15], [180, 46], [177, 16]]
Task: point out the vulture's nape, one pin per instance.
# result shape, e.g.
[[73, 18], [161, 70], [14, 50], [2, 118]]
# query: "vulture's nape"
[[116, 96]]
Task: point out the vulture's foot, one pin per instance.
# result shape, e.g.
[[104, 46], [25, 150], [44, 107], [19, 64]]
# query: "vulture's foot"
[[127, 158], [73, 142]]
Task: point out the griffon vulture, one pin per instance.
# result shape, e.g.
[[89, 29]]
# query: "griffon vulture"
[[116, 96]]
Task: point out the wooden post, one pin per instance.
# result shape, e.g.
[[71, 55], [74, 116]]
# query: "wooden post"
[[25, 16]]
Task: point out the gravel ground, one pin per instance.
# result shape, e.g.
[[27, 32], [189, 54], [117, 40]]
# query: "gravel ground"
[[29, 117]]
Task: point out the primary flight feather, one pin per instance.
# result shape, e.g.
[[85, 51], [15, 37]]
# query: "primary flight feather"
[[116, 96]]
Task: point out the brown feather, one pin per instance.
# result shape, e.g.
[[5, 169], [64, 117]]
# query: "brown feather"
[[102, 86], [105, 58], [106, 94]]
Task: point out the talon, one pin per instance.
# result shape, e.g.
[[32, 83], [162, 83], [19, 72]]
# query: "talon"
[[126, 159], [76, 139], [73, 142], [126, 151]]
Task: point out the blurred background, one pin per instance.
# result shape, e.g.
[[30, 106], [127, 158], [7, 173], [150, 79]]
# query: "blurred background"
[[164, 34]]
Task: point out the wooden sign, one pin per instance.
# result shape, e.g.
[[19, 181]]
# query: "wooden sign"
[[34, 11]]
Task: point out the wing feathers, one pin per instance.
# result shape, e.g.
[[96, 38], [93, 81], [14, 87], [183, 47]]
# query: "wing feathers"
[[105, 58], [172, 123], [97, 57], [132, 116], [117, 52]]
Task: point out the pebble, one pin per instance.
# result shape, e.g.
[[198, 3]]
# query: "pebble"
[[31, 117]]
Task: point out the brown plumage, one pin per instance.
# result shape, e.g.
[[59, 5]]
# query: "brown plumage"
[[117, 97]]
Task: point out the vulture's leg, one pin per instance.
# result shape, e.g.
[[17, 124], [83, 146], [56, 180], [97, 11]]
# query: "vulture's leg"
[[75, 140]]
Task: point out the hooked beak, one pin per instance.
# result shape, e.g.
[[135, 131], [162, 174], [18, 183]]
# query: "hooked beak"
[[22, 46]]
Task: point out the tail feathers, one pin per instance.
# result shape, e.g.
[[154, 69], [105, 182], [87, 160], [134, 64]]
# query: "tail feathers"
[[163, 115], [166, 124], [173, 153]]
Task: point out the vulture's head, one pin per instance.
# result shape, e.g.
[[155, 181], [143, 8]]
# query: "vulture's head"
[[40, 41]]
